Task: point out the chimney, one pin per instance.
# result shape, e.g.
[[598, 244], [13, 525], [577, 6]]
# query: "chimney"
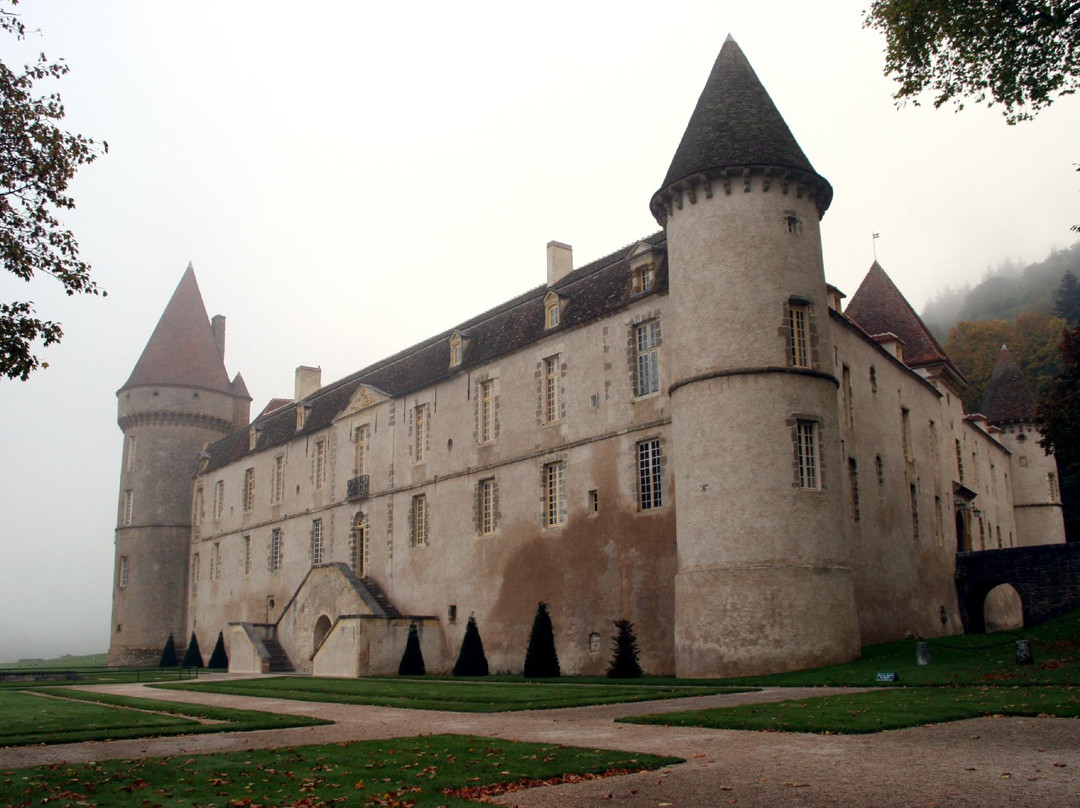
[[308, 380], [560, 261], [218, 326]]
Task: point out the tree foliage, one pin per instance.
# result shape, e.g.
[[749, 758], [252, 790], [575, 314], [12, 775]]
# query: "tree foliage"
[[471, 659], [541, 659], [1020, 54], [219, 660], [412, 661], [1067, 299], [624, 653], [1032, 339], [168, 654], [193, 656], [1059, 408], [37, 162]]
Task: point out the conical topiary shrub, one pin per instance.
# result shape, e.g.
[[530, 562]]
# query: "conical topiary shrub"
[[168, 655], [412, 661], [541, 660], [624, 658], [218, 659], [193, 656], [471, 660]]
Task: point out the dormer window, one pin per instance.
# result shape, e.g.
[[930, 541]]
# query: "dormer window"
[[253, 436], [302, 410], [553, 305], [643, 279], [457, 349]]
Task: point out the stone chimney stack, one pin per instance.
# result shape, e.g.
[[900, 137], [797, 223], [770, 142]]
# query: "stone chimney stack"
[[308, 380], [560, 261], [217, 323]]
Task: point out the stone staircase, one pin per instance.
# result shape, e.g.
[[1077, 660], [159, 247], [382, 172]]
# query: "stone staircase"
[[376, 592], [279, 660]]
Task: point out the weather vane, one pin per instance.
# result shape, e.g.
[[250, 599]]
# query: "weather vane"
[[873, 241]]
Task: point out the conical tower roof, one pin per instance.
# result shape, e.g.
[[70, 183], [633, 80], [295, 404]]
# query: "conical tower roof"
[[1008, 398], [182, 351], [736, 124], [878, 307]]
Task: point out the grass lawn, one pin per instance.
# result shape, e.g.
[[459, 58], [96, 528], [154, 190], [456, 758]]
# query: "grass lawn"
[[35, 718], [66, 661], [436, 770], [468, 696], [878, 710]]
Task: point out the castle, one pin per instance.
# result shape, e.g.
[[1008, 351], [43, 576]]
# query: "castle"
[[692, 433]]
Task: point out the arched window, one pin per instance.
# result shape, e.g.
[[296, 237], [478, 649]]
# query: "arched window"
[[358, 545]]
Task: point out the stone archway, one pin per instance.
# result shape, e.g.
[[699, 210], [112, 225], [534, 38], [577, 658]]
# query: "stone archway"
[[318, 634], [1003, 609]]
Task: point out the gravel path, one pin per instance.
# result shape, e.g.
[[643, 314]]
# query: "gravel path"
[[982, 762]]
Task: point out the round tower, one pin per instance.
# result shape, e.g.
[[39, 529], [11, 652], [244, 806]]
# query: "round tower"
[[763, 581], [1010, 405], [177, 399]]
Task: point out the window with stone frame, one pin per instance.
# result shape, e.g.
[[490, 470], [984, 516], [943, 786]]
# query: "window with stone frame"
[[361, 441], [245, 555], [959, 461], [277, 491], [554, 494], [905, 432], [642, 280], [913, 493], [358, 545], [486, 403], [552, 311], [486, 512], [128, 508], [650, 475], [798, 327], [131, 453], [249, 489], [853, 485], [419, 520], [219, 499], [550, 392], [421, 426], [194, 570], [647, 358], [316, 541], [457, 350], [849, 397], [215, 561], [198, 507], [122, 576], [806, 448], [276, 549], [320, 463]]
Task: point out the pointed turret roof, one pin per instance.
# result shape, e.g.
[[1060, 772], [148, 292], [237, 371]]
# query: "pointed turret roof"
[[182, 351], [878, 307], [1008, 398], [736, 124]]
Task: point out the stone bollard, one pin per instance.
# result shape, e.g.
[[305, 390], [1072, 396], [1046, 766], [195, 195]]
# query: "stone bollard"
[[1023, 652], [922, 652]]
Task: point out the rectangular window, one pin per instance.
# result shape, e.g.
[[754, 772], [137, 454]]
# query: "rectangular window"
[[197, 508], [1052, 487], [419, 520], [554, 495], [215, 561], [131, 453], [806, 432], [278, 492], [905, 432], [249, 489], [649, 474], [420, 433], [316, 542], [129, 505], [551, 389], [194, 569], [276, 550], [320, 463], [594, 503], [487, 411], [363, 437], [553, 312], [913, 492], [799, 345], [219, 499], [245, 555], [959, 461], [123, 575], [487, 506], [647, 369], [853, 481], [849, 398]]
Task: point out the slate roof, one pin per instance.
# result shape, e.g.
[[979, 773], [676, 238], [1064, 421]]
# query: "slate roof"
[[878, 307], [1008, 398], [593, 291], [182, 350], [736, 123]]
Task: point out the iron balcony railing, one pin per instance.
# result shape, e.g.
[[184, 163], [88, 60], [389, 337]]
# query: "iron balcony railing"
[[357, 488]]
